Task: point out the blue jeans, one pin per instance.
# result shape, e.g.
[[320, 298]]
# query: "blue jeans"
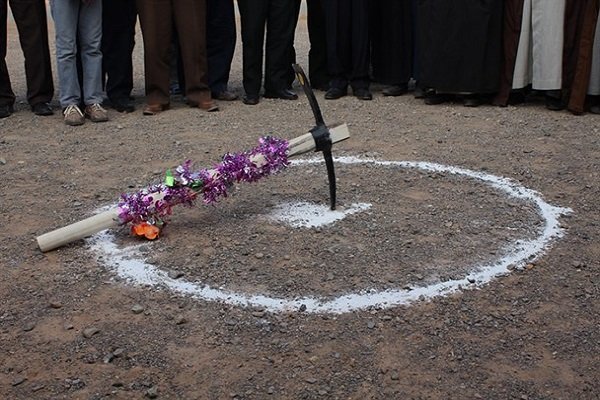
[[78, 26]]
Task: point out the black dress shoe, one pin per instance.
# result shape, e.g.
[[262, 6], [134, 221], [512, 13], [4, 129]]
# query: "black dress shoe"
[[6, 110], [284, 94], [363, 94], [472, 100], [122, 105], [250, 100], [335, 93], [433, 98], [394, 90], [554, 103], [43, 109]]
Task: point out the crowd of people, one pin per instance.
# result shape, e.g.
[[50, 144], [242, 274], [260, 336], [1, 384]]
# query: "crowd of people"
[[484, 51]]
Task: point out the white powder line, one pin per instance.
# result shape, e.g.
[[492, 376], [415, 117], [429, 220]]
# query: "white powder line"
[[128, 263]]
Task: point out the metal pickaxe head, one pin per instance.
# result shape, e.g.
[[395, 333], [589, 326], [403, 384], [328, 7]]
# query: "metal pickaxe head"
[[320, 132]]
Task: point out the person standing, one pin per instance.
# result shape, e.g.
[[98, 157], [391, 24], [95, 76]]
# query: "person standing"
[[392, 44], [459, 49], [188, 17], [118, 40], [220, 44], [317, 55], [581, 17], [348, 53], [593, 90], [79, 21], [539, 60], [280, 18], [30, 17]]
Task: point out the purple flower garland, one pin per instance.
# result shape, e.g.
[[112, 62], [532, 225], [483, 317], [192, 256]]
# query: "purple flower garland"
[[154, 203]]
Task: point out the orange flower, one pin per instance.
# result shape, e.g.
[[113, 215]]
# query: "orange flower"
[[145, 229]]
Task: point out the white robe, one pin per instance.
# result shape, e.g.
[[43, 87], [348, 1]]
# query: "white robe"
[[594, 88], [540, 51]]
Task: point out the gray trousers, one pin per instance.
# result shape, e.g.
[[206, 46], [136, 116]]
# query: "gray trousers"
[[78, 27]]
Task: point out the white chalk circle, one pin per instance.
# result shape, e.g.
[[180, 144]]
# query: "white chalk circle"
[[128, 263]]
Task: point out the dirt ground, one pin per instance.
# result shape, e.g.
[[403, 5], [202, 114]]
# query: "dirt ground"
[[70, 330]]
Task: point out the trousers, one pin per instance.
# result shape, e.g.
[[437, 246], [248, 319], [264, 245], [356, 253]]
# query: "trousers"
[[118, 40], [30, 18], [157, 19], [75, 21], [280, 18]]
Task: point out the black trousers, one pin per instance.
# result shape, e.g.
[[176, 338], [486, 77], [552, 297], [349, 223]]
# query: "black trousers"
[[220, 42], [460, 44], [317, 34], [30, 17], [348, 53], [118, 39], [392, 41], [280, 18]]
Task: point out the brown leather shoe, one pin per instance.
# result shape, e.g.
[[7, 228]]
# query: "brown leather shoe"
[[208, 105], [153, 109]]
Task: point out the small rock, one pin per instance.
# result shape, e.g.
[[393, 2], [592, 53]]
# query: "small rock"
[[137, 309], [37, 388], [18, 380], [108, 358], [310, 380], [173, 274], [258, 314], [394, 376], [89, 332], [471, 280], [152, 393], [118, 352], [55, 304], [68, 326], [180, 320], [259, 255], [271, 390], [302, 308], [2, 161], [371, 325], [524, 397], [29, 326]]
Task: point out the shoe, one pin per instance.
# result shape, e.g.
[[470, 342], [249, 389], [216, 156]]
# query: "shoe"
[[335, 93], [554, 103], [73, 115], [153, 109], [283, 94], [250, 100], [394, 90], [472, 100], [6, 110], [419, 93], [208, 105], [433, 98], [226, 95], [363, 94], [122, 105], [43, 109], [96, 113]]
